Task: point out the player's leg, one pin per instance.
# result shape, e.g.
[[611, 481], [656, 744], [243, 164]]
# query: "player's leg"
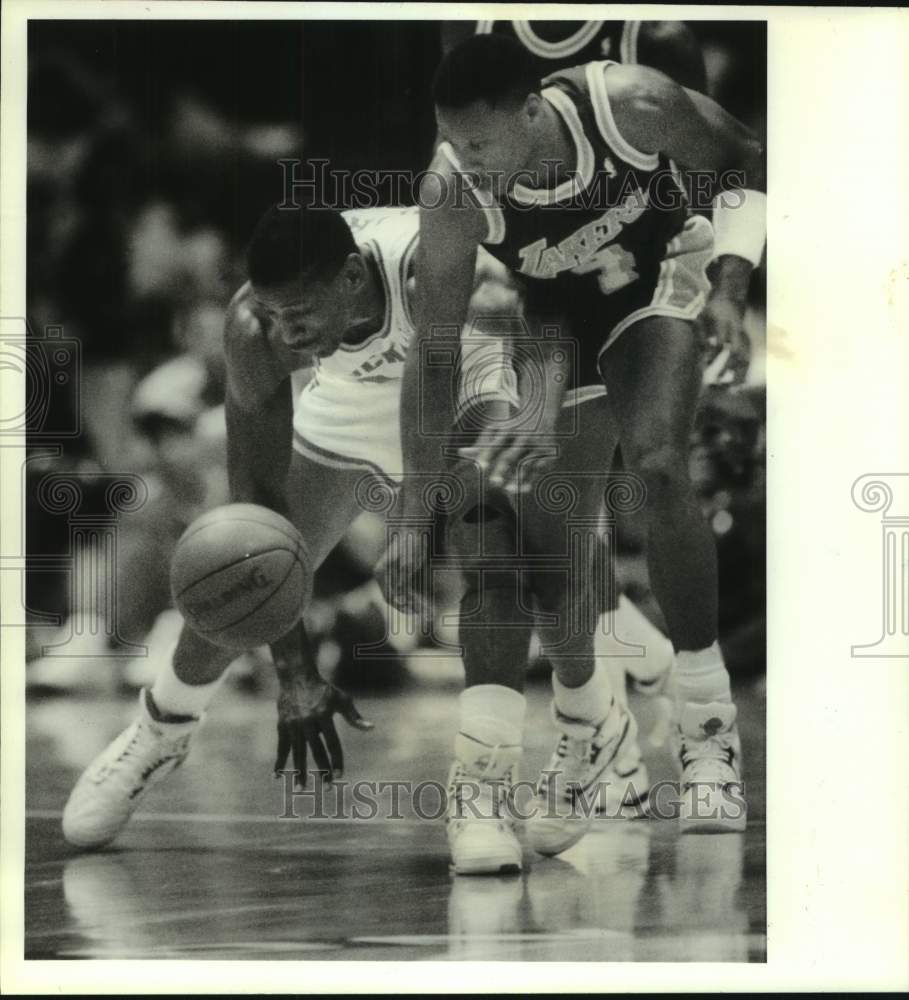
[[322, 505], [494, 634], [596, 751], [653, 377]]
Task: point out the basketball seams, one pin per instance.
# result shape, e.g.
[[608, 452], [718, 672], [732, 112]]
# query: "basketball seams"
[[237, 562], [252, 611]]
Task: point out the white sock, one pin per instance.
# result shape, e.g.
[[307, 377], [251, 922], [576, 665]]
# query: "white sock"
[[491, 729], [588, 703], [630, 626], [175, 697], [701, 676]]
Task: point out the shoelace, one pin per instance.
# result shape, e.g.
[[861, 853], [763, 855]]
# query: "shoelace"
[[699, 757], [495, 797], [134, 754], [572, 756]]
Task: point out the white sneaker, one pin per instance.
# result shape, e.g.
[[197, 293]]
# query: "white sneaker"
[[707, 746], [580, 776], [481, 835], [116, 781], [625, 784]]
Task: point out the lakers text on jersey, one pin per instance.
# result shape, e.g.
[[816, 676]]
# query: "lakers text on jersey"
[[613, 243]]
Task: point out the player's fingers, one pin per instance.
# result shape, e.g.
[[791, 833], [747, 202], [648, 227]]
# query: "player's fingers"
[[283, 748], [505, 469], [352, 717], [711, 338], [477, 452], [492, 448], [301, 778], [335, 750], [531, 469], [393, 574], [317, 747]]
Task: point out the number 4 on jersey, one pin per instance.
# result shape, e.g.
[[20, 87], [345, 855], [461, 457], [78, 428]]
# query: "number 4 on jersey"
[[616, 266]]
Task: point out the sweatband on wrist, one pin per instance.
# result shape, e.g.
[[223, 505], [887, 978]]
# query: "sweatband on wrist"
[[740, 224]]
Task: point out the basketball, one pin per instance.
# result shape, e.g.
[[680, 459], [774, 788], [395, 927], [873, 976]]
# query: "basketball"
[[241, 576]]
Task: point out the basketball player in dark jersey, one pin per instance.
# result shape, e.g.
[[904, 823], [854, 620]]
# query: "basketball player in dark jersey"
[[669, 46], [573, 186]]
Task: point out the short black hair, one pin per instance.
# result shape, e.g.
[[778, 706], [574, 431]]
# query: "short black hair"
[[484, 68], [294, 242]]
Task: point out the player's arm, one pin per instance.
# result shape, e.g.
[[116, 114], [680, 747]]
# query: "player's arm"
[[444, 276], [655, 114], [451, 229], [672, 48], [258, 409]]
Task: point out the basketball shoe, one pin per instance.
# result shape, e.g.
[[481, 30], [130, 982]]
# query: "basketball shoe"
[[575, 785], [481, 832], [706, 745], [112, 786]]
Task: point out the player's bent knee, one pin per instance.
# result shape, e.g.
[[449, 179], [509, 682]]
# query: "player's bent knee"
[[664, 471]]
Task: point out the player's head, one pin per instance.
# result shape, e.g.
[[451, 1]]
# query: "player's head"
[[306, 272], [486, 93]]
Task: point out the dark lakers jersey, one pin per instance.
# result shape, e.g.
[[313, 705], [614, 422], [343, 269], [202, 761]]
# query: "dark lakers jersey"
[[562, 44], [605, 227]]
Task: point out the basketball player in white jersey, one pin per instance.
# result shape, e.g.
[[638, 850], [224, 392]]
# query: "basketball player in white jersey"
[[315, 345]]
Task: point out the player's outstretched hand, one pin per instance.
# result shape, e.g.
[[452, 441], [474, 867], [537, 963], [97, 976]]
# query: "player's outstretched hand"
[[306, 710], [513, 460], [722, 324]]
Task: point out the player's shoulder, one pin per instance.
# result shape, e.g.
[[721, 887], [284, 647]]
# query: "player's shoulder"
[[573, 76], [632, 84], [243, 319]]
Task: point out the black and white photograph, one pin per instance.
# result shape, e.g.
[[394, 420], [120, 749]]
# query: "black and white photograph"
[[390, 448]]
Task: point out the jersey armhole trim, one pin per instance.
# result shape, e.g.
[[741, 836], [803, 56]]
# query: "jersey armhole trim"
[[403, 270], [495, 220], [596, 81], [628, 46]]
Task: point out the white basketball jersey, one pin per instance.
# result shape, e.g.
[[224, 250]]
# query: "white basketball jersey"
[[390, 234]]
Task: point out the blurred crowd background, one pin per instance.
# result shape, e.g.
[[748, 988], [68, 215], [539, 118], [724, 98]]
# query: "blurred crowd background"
[[152, 151]]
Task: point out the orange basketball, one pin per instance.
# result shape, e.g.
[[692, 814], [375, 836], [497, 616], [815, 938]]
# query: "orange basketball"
[[241, 576]]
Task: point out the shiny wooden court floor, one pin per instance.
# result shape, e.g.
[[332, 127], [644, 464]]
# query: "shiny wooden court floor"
[[210, 870]]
